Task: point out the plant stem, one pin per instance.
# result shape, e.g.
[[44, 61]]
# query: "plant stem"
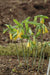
[[36, 51], [27, 58], [41, 49], [23, 53], [43, 54], [17, 54], [32, 58]]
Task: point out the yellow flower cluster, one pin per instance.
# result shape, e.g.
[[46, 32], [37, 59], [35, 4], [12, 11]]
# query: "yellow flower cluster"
[[46, 30], [29, 44], [18, 35]]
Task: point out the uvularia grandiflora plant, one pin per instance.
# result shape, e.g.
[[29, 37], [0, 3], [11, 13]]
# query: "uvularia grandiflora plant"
[[23, 31]]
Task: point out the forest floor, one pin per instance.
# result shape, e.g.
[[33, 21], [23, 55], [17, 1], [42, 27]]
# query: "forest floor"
[[9, 66]]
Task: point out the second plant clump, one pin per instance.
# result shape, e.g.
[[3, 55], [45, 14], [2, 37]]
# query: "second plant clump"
[[23, 31]]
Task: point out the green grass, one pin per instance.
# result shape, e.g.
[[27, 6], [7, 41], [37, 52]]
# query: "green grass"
[[10, 49]]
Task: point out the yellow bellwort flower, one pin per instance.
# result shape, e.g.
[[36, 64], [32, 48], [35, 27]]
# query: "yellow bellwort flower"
[[39, 30], [42, 21], [17, 31], [46, 30], [19, 35], [10, 36], [28, 44], [43, 32]]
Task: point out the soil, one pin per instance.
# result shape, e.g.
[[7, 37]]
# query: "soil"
[[9, 65], [20, 10]]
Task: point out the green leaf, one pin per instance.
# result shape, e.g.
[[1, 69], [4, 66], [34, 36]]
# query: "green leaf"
[[26, 20], [11, 27], [35, 18], [7, 25], [34, 23], [30, 31], [16, 22], [15, 35], [38, 34], [43, 26], [5, 30], [42, 16], [27, 27], [48, 43]]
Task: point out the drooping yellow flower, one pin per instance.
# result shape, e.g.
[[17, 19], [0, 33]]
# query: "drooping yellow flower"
[[20, 35], [17, 31], [10, 36], [46, 30], [43, 32], [28, 44], [42, 21], [39, 30]]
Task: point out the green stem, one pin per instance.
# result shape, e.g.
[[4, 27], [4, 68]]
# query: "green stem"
[[41, 49], [40, 57], [27, 58], [17, 54], [43, 55], [23, 53], [36, 51]]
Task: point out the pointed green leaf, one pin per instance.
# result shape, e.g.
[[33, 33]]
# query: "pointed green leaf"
[[16, 22], [42, 16], [5, 30]]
